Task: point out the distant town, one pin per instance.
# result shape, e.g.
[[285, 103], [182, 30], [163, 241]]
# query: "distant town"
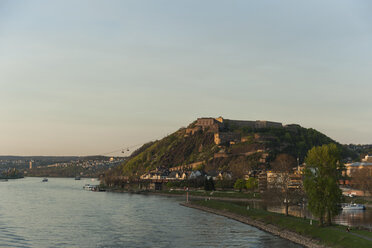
[[91, 166]]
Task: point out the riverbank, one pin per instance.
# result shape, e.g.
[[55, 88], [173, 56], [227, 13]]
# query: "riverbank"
[[295, 229], [197, 195]]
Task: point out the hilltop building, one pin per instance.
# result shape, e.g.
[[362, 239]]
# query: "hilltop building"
[[209, 124], [217, 125], [214, 124]]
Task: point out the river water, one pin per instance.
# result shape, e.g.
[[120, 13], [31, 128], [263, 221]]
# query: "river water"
[[59, 213], [352, 218]]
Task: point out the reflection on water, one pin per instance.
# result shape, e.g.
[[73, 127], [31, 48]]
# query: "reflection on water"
[[355, 218], [346, 217], [60, 213]]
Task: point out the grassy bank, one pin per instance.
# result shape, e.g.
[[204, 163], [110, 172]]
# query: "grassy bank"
[[226, 194], [359, 200], [218, 195], [332, 236]]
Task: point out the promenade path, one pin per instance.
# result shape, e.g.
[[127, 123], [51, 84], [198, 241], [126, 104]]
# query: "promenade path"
[[353, 233]]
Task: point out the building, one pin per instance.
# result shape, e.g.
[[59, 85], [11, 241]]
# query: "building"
[[193, 130], [195, 174], [367, 158], [209, 124], [352, 167], [268, 124], [226, 137], [262, 181], [278, 179], [215, 124]]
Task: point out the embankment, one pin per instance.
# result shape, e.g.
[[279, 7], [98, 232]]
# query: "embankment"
[[286, 234]]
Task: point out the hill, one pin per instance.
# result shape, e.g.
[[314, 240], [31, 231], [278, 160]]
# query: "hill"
[[227, 145], [58, 166]]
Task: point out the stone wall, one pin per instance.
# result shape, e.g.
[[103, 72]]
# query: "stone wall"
[[214, 124], [221, 137], [209, 124]]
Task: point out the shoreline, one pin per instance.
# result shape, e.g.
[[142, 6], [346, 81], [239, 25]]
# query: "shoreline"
[[230, 199], [286, 234]]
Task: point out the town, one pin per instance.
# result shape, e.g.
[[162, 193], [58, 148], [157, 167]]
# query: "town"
[[91, 166], [266, 173]]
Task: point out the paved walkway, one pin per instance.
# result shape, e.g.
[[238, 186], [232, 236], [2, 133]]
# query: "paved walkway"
[[353, 233]]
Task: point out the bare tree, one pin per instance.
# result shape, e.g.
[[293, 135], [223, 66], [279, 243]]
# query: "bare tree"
[[282, 188], [362, 179]]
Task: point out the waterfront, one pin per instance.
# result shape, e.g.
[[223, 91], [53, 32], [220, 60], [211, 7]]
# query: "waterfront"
[[351, 218], [60, 213]]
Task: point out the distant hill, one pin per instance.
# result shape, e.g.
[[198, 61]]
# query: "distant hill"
[[23, 162], [58, 166], [229, 145], [41, 158]]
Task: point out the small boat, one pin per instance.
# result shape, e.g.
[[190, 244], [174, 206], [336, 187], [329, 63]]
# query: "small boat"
[[77, 178], [45, 180], [90, 187], [4, 180], [353, 206]]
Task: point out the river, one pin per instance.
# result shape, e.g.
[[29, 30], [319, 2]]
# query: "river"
[[59, 213], [351, 218]]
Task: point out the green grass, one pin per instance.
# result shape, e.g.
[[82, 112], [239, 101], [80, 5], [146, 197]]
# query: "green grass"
[[357, 231], [363, 232], [231, 194], [333, 236], [357, 199]]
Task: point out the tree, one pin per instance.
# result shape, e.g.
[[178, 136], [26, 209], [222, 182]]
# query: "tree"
[[251, 183], [322, 173], [362, 179], [239, 184], [224, 184], [209, 184], [280, 186]]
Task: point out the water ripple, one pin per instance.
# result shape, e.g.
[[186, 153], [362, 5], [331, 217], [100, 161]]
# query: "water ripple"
[[60, 214]]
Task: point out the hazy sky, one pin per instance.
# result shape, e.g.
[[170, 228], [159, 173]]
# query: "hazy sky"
[[90, 77]]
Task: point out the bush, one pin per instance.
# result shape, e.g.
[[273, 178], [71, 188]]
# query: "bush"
[[239, 184]]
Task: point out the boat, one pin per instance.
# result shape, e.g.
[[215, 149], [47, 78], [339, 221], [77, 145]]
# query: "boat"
[[353, 206], [77, 178], [45, 180], [90, 187]]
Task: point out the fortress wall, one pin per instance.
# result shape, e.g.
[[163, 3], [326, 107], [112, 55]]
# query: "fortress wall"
[[215, 123], [243, 123], [268, 124]]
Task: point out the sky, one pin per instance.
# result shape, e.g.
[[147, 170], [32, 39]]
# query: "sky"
[[90, 77]]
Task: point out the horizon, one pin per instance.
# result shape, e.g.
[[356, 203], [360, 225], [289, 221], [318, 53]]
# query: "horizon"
[[90, 77], [138, 146]]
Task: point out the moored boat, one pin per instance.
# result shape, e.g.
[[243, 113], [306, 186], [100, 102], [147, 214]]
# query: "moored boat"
[[353, 206], [90, 187]]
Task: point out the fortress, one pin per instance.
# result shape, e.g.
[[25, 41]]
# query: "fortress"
[[217, 126], [214, 123]]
